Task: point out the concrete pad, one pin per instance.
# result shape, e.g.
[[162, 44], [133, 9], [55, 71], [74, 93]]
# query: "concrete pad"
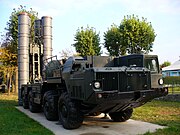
[[95, 126]]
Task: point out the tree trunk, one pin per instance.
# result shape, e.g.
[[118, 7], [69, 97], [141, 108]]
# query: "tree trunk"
[[9, 86], [13, 87], [7, 79], [9, 83], [16, 80]]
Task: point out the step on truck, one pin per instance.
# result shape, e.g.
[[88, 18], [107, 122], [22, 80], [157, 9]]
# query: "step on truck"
[[90, 85]]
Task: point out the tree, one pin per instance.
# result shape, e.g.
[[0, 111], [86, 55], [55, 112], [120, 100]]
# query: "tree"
[[165, 64], [87, 42], [9, 60], [8, 52], [134, 36], [11, 36], [67, 52], [112, 41]]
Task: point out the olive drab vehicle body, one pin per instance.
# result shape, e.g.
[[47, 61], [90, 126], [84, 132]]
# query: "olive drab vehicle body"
[[143, 60], [92, 85], [69, 89]]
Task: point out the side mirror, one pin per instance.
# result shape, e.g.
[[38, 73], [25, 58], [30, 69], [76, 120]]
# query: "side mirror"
[[160, 70]]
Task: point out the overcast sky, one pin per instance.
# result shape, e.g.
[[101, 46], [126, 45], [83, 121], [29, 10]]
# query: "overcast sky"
[[68, 15]]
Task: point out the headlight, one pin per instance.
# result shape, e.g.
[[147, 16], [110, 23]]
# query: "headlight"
[[161, 81], [97, 85]]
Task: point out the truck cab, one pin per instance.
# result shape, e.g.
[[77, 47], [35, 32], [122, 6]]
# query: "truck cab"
[[143, 60]]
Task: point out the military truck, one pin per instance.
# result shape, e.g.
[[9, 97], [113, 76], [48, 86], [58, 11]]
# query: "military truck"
[[79, 86]]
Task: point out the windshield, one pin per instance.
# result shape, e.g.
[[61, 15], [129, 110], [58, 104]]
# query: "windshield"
[[152, 64]]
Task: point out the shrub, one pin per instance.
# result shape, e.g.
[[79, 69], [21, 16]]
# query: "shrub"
[[172, 80]]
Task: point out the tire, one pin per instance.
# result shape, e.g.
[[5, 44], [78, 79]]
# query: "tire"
[[33, 107], [121, 116], [70, 115], [25, 100], [50, 106]]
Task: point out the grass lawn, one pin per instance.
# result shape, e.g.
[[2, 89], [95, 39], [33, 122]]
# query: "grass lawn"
[[163, 113], [13, 122]]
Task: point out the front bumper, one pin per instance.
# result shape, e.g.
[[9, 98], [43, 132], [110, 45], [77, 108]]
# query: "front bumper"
[[111, 101]]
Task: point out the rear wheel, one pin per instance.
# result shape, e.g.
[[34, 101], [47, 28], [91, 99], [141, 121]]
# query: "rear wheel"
[[121, 116], [25, 100], [69, 112], [50, 106], [33, 107]]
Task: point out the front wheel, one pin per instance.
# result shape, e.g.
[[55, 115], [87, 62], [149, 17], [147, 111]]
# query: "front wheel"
[[69, 112], [33, 107], [25, 100], [121, 116]]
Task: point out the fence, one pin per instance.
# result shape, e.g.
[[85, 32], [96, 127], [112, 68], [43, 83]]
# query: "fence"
[[174, 88]]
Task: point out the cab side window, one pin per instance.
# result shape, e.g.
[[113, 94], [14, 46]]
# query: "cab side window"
[[151, 64]]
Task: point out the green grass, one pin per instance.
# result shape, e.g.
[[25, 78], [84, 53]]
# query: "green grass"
[[13, 122], [174, 90], [163, 113]]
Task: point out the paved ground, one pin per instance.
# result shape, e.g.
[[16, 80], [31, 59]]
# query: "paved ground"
[[95, 126]]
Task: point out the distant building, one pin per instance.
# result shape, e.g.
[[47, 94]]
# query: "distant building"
[[172, 70]]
